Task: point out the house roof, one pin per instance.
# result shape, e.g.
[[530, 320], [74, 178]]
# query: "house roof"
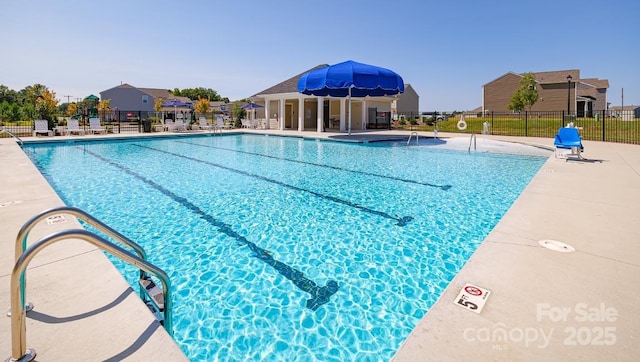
[[589, 92], [155, 93], [502, 76], [158, 93], [123, 85], [598, 83], [288, 86], [630, 107], [216, 103], [560, 76], [557, 76]]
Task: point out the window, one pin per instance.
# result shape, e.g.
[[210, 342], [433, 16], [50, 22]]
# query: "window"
[[145, 99]]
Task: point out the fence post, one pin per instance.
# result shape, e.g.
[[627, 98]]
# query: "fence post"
[[118, 120], [526, 123], [563, 118], [492, 128], [603, 124]]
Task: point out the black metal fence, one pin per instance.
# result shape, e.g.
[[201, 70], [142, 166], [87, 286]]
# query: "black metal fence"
[[606, 126], [114, 121], [601, 126]]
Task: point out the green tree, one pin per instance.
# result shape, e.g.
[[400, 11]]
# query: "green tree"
[[237, 113], [14, 113], [8, 95], [196, 93], [30, 94], [28, 111], [526, 95], [47, 106]]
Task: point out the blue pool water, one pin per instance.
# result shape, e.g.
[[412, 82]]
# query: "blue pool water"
[[288, 249]]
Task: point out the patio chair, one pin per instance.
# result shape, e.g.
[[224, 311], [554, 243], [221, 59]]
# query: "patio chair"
[[203, 123], [246, 123], [568, 138], [74, 127], [220, 123], [257, 123], [95, 127], [41, 126], [179, 126], [168, 124]]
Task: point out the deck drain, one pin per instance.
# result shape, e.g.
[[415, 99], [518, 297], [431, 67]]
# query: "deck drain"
[[557, 246], [9, 203], [56, 219]]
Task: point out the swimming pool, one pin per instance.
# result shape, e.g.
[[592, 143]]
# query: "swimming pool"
[[284, 248]]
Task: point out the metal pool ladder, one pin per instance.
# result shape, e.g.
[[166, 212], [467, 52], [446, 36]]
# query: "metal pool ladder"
[[149, 292], [12, 135], [411, 135], [472, 140]]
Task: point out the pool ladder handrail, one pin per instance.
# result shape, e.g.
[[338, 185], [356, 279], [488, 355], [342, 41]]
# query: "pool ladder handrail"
[[23, 235], [18, 316], [144, 281], [411, 135], [18, 139], [472, 140]]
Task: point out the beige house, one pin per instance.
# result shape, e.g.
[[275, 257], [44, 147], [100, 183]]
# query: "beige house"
[[626, 113], [286, 108], [556, 91], [407, 103]]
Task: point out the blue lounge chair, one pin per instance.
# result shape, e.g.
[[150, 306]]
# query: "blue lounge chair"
[[568, 138]]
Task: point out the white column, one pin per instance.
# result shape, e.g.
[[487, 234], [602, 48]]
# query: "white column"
[[267, 113], [320, 116], [363, 116], [281, 115], [343, 113], [300, 114]]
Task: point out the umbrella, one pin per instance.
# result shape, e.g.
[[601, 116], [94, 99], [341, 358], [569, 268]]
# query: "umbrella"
[[251, 105], [175, 104], [351, 79]]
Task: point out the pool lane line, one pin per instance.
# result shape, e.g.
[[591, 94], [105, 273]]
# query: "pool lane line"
[[442, 187], [319, 295], [401, 221]]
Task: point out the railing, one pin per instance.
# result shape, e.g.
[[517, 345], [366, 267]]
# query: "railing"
[[12, 135], [23, 235], [116, 122], [411, 135], [608, 126], [18, 316], [472, 140]]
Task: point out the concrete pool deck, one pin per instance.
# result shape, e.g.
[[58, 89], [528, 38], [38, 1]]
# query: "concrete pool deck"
[[544, 304]]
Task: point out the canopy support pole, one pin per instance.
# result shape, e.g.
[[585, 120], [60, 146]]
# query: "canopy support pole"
[[351, 86]]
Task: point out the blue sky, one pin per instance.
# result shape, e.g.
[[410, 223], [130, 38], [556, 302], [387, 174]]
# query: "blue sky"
[[445, 49]]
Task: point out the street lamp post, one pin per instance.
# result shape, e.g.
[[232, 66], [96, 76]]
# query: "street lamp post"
[[569, 94]]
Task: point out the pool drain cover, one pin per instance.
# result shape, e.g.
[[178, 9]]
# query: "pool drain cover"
[[557, 246]]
